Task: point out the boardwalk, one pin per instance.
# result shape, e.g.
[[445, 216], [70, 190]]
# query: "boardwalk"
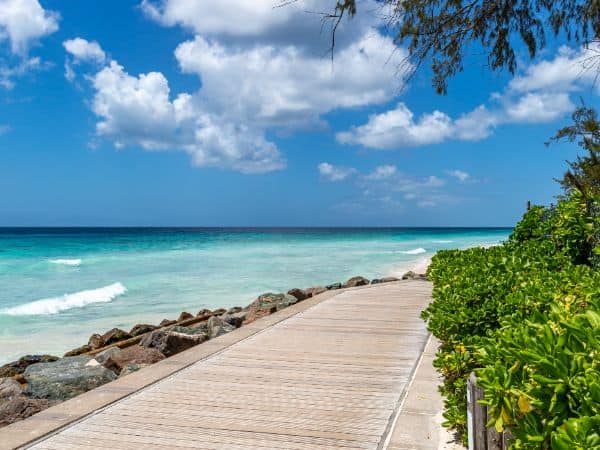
[[332, 375]]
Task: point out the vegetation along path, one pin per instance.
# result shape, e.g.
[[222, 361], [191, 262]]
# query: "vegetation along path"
[[330, 372]]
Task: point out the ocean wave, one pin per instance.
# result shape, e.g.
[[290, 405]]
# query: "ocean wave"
[[79, 299], [66, 262], [415, 251], [443, 241]]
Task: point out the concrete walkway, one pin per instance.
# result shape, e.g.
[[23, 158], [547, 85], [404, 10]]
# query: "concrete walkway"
[[329, 372]]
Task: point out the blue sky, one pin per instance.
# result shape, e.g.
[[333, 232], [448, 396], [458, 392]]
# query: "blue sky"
[[181, 112]]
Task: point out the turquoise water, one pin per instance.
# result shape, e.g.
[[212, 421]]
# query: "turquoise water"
[[58, 286]]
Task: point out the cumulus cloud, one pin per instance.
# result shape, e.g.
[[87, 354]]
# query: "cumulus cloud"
[[138, 110], [24, 22], [281, 86], [83, 50], [398, 128], [460, 175], [382, 172], [334, 173]]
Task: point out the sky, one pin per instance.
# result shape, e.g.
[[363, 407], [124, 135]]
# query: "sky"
[[232, 113]]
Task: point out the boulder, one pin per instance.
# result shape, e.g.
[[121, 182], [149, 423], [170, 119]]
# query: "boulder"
[[107, 358], [410, 275], [188, 330], [9, 389], [166, 322], [171, 342], [21, 407], [236, 319], [130, 368], [267, 304], [217, 327], [116, 359], [384, 280], [218, 312], [66, 378], [312, 291], [334, 286], [356, 281], [115, 335], [79, 350], [95, 341], [184, 316], [234, 310], [141, 328], [18, 367], [203, 312], [300, 294]]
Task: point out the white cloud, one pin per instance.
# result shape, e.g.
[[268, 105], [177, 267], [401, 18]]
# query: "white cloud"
[[24, 22], [281, 86], [139, 111], [397, 128], [539, 107], [85, 51], [334, 173], [8, 73], [476, 125], [382, 172], [461, 175]]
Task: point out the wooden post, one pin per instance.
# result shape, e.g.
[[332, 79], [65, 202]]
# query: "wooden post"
[[494, 439], [476, 415], [528, 205]]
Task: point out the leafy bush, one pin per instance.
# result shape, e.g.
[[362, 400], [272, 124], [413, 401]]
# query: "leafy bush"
[[525, 316]]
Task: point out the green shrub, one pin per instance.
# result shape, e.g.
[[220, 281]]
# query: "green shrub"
[[524, 316]]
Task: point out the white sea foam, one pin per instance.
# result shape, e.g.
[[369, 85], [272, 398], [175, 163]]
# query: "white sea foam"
[[66, 262], [67, 301], [443, 241], [415, 251]]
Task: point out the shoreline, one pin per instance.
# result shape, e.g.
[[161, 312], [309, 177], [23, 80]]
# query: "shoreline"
[[36, 382]]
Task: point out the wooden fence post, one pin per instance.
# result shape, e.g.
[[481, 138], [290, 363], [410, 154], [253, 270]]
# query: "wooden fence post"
[[476, 415]]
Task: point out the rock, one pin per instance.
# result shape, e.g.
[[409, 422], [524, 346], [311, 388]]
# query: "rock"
[[384, 280], [187, 330], [218, 312], [203, 312], [79, 350], [141, 328], [65, 378], [107, 358], [9, 389], [235, 310], [170, 342], [115, 335], [300, 294], [116, 359], [95, 341], [267, 304], [18, 367], [166, 322], [185, 316], [217, 327], [130, 368], [356, 281], [312, 291], [21, 407], [334, 286], [410, 275], [236, 319]]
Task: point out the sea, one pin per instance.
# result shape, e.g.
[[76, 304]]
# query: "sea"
[[60, 285]]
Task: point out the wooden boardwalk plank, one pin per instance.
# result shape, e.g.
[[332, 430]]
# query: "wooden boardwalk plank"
[[331, 376]]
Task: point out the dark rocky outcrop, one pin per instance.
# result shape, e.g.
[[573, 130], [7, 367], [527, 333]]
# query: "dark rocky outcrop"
[[267, 304], [217, 327], [66, 378], [384, 280], [171, 342], [115, 335], [79, 350], [21, 407], [300, 294], [141, 328], [410, 275], [18, 367], [356, 281], [312, 291], [184, 316], [236, 318], [334, 286]]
